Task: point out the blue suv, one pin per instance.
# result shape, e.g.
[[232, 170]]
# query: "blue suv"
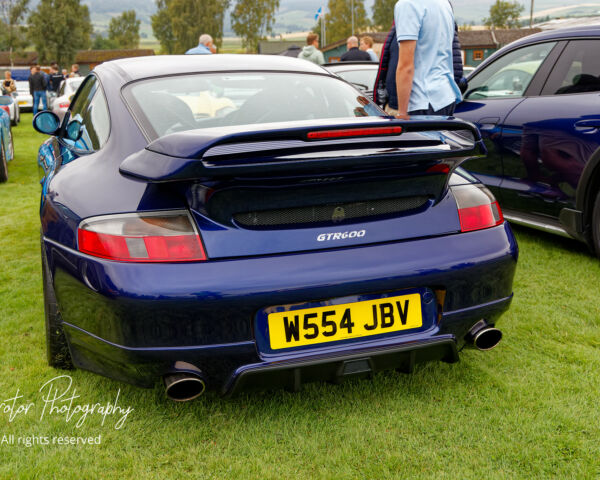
[[537, 104]]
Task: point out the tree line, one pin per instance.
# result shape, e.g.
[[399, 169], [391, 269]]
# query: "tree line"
[[57, 29]]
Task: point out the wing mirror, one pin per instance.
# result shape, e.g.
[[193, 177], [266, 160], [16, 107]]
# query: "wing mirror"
[[74, 130], [46, 122], [463, 85]]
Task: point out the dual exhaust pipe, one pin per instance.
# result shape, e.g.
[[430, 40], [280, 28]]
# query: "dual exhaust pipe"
[[483, 336], [186, 383]]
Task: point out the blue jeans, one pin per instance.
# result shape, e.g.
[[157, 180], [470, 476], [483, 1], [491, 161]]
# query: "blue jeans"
[[36, 100]]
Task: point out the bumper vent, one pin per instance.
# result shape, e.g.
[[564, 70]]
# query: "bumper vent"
[[332, 213]]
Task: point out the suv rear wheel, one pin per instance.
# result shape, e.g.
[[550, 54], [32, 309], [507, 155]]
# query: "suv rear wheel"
[[596, 225]]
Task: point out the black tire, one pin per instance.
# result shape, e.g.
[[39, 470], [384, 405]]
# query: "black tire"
[[57, 348], [12, 145], [3, 164], [596, 225]]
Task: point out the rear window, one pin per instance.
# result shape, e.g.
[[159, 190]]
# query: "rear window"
[[187, 102], [363, 79]]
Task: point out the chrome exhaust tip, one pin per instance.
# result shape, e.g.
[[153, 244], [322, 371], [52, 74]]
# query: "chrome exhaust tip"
[[185, 384], [483, 337]]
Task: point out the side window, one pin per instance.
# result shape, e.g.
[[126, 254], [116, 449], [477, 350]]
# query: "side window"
[[577, 70], [95, 124], [510, 75], [79, 106]]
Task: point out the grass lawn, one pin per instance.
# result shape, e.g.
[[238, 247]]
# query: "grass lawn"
[[528, 409]]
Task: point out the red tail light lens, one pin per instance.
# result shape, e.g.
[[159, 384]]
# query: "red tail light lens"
[[5, 108], [142, 237], [354, 132], [477, 208], [64, 104]]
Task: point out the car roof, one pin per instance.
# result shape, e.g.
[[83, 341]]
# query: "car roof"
[[545, 36], [559, 34], [159, 65]]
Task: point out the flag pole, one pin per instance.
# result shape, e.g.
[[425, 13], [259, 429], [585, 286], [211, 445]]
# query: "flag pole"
[[322, 29]]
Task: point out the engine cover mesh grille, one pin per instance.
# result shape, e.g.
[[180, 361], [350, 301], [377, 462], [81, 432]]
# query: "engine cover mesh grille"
[[331, 213]]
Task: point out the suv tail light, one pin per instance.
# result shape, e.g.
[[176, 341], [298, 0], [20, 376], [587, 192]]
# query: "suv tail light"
[[142, 237], [477, 207], [6, 108]]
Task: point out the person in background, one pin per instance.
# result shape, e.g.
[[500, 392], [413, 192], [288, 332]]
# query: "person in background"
[[457, 61], [37, 85], [425, 82], [65, 73], [366, 45], [384, 91], [354, 54], [205, 46], [8, 85], [56, 78], [74, 70], [311, 50], [31, 72], [54, 82]]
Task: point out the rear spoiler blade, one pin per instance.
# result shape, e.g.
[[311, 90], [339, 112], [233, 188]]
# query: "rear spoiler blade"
[[255, 151]]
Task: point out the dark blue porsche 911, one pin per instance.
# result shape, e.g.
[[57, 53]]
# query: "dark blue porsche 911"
[[229, 222]]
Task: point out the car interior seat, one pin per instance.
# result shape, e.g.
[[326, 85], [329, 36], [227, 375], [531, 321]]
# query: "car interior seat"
[[169, 114]]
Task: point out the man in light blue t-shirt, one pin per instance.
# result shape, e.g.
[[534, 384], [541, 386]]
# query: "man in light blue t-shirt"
[[425, 75]]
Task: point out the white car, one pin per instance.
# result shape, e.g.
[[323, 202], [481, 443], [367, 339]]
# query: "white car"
[[65, 94], [24, 98], [12, 108]]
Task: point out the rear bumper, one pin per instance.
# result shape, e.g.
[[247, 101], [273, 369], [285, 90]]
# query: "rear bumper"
[[132, 322]]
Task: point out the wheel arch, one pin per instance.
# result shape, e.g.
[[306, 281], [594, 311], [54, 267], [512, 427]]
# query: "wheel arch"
[[578, 222]]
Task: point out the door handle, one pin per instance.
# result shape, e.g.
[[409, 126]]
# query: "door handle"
[[488, 124], [588, 125]]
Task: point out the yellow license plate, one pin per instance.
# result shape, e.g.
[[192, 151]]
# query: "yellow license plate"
[[22, 102], [295, 328]]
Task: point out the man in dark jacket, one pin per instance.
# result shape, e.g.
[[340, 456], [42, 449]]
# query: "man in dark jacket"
[[55, 79], [354, 54], [384, 91], [457, 61], [37, 85]]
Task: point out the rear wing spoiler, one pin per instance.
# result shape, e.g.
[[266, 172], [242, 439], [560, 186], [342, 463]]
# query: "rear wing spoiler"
[[256, 150]]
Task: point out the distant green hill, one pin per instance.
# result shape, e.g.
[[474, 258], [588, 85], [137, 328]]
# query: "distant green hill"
[[298, 15]]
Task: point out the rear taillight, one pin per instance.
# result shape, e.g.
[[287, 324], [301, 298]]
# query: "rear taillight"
[[142, 237], [5, 108], [477, 207], [64, 104]]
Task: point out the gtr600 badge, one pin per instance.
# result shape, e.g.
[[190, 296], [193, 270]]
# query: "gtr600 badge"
[[341, 235]]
